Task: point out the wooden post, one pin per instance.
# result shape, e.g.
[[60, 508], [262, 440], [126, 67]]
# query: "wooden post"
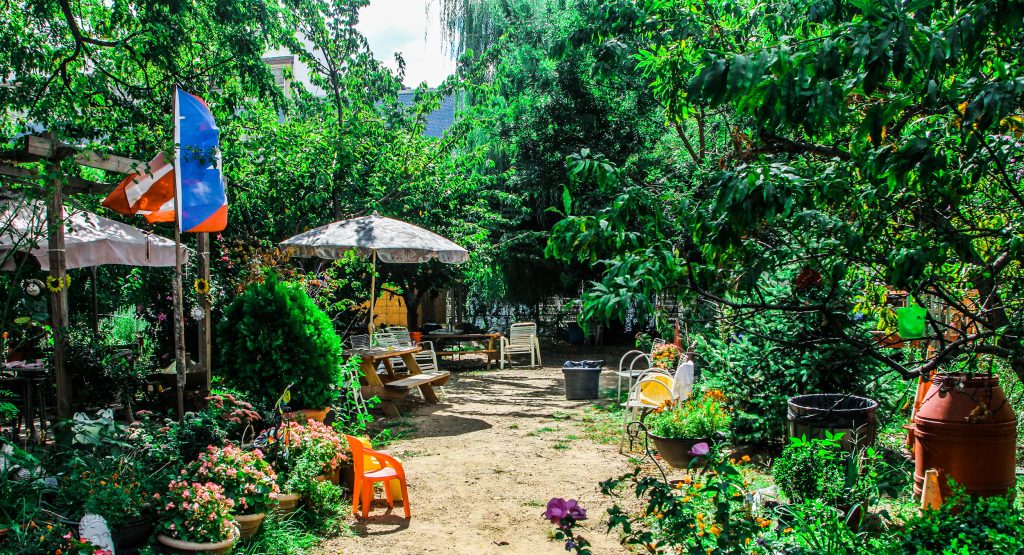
[[58, 300], [203, 246]]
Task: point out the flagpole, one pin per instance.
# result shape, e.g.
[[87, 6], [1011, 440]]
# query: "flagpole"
[[179, 325]]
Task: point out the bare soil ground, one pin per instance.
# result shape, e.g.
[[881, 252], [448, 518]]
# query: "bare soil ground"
[[482, 465]]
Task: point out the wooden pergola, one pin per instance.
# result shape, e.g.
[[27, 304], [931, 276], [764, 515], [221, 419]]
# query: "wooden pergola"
[[52, 152]]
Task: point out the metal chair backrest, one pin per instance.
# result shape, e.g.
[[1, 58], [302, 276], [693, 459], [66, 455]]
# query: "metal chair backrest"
[[401, 334], [386, 340], [359, 341], [522, 333]]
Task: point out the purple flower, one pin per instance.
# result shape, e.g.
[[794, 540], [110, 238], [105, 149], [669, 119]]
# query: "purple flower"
[[700, 449], [559, 508], [161, 316]]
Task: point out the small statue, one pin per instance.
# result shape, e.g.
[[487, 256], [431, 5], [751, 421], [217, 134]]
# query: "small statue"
[[34, 305]]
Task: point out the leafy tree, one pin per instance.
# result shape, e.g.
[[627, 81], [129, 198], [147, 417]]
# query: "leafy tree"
[[101, 71], [532, 111], [868, 143]]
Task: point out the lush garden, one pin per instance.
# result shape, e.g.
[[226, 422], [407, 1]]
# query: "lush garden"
[[800, 197]]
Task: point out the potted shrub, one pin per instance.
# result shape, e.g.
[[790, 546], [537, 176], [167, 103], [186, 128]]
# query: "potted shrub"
[[247, 479], [676, 427], [307, 457], [195, 517], [274, 336]]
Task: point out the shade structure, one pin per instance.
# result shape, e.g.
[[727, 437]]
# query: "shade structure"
[[391, 240], [375, 236], [89, 240]]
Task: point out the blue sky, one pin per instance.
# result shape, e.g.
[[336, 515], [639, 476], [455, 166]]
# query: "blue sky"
[[405, 26]]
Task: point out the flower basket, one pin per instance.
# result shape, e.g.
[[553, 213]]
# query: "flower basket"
[[174, 545]]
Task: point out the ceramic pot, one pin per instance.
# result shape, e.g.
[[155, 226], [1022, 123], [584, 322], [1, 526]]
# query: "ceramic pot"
[[249, 524], [676, 451], [174, 545], [133, 535], [286, 502]]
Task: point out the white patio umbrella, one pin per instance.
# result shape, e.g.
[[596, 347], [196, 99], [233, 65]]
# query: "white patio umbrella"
[[89, 240], [377, 237]]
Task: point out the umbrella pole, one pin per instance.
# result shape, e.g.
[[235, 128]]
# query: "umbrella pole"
[[373, 295]]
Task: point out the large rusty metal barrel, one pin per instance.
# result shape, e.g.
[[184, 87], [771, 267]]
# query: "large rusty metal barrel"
[[966, 429]]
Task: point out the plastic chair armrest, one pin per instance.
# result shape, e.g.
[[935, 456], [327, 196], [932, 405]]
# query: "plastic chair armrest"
[[384, 459]]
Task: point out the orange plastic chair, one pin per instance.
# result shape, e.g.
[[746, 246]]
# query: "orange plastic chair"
[[362, 489]]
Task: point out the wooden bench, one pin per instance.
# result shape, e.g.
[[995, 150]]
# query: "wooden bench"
[[438, 378]]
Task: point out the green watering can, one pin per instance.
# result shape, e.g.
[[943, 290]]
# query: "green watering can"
[[910, 321]]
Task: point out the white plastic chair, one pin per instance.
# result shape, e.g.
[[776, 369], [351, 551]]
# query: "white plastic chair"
[[522, 339], [631, 365]]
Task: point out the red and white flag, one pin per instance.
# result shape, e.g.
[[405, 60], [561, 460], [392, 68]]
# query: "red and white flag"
[[149, 193]]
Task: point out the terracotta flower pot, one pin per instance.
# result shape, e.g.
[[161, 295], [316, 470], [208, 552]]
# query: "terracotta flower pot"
[[332, 476], [676, 451], [174, 545], [249, 524], [304, 415], [286, 502]]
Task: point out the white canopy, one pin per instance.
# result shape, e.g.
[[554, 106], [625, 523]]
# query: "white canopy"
[[392, 241], [89, 240]]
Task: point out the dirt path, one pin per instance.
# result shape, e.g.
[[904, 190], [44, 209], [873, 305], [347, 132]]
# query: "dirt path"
[[482, 465]]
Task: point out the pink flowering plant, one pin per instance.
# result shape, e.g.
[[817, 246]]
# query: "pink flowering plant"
[[247, 479], [195, 512], [303, 451]]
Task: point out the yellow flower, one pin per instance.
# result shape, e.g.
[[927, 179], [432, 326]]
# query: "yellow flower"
[[787, 530], [202, 286], [715, 529], [745, 458]]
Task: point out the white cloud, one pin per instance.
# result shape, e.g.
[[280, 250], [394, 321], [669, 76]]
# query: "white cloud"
[[404, 26]]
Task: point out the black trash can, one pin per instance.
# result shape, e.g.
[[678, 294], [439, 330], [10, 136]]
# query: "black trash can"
[[582, 379]]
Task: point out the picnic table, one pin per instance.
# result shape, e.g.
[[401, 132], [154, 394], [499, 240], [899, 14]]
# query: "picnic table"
[[391, 386], [489, 340]]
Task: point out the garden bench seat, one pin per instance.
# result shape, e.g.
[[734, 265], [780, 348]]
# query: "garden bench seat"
[[433, 378]]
